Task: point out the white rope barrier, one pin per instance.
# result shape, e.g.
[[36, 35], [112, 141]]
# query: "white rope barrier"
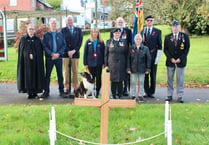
[[137, 141], [167, 132]]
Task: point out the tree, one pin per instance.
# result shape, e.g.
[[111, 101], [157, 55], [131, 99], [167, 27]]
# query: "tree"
[[184, 11], [56, 4], [121, 8], [40, 30]]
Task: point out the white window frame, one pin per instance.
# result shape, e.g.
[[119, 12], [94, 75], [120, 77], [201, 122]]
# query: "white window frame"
[[13, 2]]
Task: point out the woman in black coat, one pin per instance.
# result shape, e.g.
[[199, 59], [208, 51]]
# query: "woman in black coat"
[[94, 57], [30, 66], [115, 61]]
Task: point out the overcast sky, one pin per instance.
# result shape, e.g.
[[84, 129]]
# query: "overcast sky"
[[72, 5]]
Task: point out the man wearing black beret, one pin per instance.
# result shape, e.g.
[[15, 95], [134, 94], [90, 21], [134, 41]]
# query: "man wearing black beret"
[[176, 48], [152, 39]]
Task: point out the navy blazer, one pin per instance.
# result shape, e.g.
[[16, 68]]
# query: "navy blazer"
[[91, 58], [48, 44], [176, 49], [125, 35], [73, 41], [154, 42]]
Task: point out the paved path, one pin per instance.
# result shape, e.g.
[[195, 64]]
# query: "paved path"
[[9, 95]]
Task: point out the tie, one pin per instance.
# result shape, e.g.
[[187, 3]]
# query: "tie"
[[175, 36], [71, 31], [148, 33], [54, 42]]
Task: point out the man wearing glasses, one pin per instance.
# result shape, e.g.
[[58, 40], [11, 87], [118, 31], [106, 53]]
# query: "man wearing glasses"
[[152, 39]]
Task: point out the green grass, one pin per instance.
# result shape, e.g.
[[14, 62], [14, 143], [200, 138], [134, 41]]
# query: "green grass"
[[196, 73], [29, 124]]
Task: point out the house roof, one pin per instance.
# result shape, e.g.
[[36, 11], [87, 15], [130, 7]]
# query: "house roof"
[[45, 4]]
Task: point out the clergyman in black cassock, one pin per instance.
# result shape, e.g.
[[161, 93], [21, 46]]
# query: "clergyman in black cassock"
[[30, 66]]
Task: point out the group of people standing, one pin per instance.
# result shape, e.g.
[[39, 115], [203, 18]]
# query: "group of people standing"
[[129, 64]]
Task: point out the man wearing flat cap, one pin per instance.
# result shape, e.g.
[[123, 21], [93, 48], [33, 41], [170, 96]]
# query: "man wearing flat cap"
[[126, 35], [152, 39], [116, 52], [176, 48]]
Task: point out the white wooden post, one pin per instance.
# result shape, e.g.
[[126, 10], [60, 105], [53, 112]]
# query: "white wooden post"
[[169, 135], [52, 127], [166, 117]]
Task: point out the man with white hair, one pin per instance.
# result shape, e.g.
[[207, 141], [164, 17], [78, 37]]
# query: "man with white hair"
[[73, 37], [54, 46], [126, 35]]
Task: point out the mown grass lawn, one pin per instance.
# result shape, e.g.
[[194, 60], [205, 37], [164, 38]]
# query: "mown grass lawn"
[[196, 74], [29, 124]]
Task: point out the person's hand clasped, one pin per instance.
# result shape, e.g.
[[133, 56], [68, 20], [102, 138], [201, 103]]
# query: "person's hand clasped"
[[70, 53], [55, 56]]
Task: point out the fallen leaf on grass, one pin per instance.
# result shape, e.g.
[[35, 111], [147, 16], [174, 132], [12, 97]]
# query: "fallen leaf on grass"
[[132, 129], [14, 141], [40, 131], [203, 131]]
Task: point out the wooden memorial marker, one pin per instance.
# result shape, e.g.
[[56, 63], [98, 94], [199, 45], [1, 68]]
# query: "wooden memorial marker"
[[104, 103]]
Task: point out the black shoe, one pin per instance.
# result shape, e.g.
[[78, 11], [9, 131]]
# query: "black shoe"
[[140, 99], [63, 95], [151, 96], [146, 96], [169, 98], [30, 96], [133, 97], [125, 93], [44, 95], [34, 95], [114, 97], [180, 100]]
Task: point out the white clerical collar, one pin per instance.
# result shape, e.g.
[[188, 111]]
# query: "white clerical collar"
[[30, 36]]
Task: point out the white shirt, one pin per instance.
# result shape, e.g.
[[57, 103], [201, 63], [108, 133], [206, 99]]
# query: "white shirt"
[[176, 35], [150, 29]]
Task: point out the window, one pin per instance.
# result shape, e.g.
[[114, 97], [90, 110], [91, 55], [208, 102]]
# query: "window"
[[13, 2], [33, 3]]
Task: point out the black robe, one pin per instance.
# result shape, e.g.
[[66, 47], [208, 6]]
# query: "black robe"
[[30, 73]]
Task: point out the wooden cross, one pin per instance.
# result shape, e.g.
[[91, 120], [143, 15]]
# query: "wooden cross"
[[104, 103]]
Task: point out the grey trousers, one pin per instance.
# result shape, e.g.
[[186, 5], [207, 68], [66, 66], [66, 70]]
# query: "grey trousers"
[[137, 78], [179, 81]]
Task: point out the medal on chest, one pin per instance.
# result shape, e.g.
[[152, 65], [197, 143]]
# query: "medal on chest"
[[124, 36], [121, 44]]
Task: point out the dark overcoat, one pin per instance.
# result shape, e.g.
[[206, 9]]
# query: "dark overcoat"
[[116, 59], [30, 73]]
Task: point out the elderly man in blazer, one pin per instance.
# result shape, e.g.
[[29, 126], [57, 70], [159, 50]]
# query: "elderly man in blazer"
[[176, 48], [73, 37], [152, 39]]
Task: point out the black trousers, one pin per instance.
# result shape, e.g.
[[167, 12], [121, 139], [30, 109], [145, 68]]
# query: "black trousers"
[[150, 81], [96, 73], [126, 84], [117, 87]]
